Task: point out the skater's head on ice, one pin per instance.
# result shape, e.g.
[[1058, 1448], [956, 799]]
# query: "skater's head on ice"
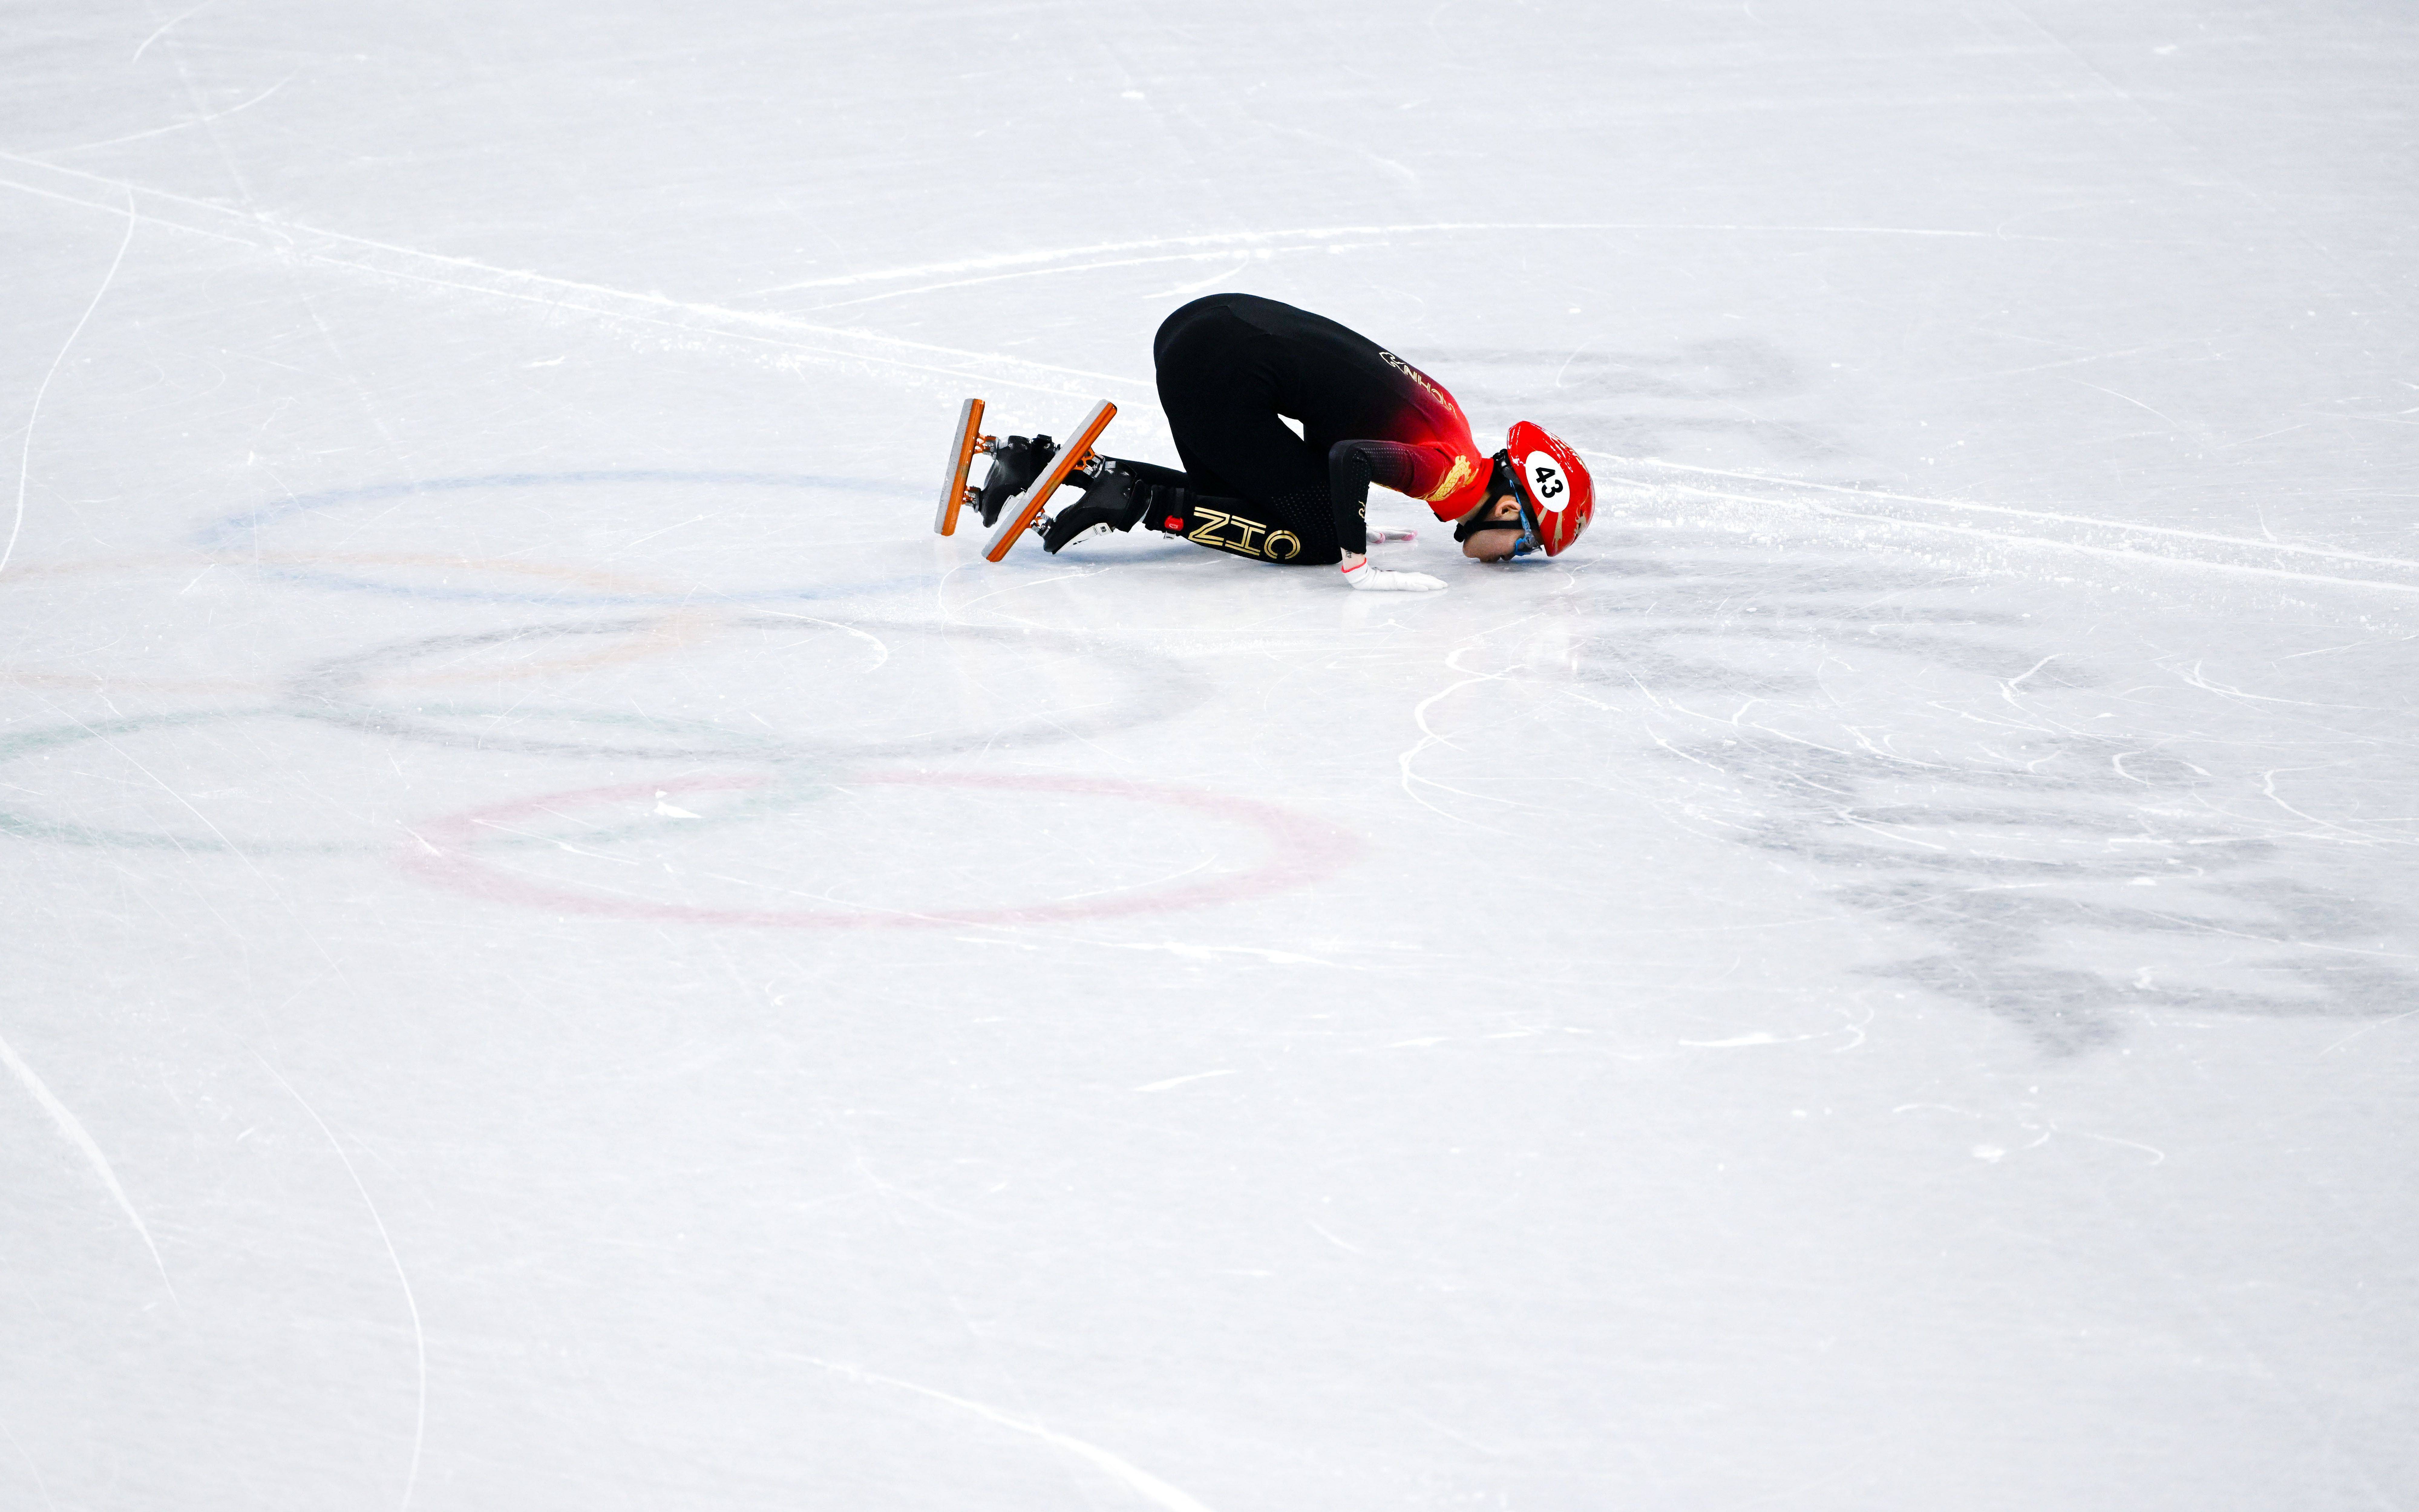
[[1539, 497], [1493, 530]]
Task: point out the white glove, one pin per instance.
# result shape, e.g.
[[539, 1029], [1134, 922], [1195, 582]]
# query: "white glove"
[[1358, 572]]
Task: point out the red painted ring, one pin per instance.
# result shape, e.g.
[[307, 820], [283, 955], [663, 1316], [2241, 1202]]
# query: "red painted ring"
[[1303, 851]]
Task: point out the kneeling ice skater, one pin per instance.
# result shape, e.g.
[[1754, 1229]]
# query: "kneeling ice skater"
[[1230, 367]]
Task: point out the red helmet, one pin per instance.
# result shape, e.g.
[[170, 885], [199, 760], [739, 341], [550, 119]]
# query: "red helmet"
[[1557, 497]]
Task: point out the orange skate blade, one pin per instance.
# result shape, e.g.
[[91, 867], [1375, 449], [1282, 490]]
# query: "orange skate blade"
[[961, 457], [1071, 456]]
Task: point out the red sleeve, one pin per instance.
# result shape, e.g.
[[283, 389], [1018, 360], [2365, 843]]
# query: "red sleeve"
[[1453, 481]]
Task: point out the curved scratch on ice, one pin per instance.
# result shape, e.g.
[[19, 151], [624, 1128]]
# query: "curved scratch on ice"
[[93, 1157], [419, 1340], [1430, 736], [1151, 1486], [880, 651], [180, 125], [31, 1469], [25, 455], [164, 28]]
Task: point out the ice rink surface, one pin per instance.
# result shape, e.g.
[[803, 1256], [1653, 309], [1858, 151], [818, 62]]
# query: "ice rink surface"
[[565, 951]]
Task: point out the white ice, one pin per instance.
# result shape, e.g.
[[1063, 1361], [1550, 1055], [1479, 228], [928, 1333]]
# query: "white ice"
[[565, 951]]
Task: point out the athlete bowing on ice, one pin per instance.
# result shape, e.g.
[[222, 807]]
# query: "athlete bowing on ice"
[[1231, 365]]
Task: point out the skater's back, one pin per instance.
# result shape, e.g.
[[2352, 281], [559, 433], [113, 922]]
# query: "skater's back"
[[1336, 383]]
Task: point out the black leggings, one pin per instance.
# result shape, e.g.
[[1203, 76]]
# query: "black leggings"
[[1269, 494]]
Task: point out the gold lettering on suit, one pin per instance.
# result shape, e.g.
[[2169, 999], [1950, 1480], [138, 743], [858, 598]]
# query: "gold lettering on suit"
[[1212, 521], [1250, 538]]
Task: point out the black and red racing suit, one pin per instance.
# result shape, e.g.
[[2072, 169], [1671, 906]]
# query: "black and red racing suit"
[[1230, 365]]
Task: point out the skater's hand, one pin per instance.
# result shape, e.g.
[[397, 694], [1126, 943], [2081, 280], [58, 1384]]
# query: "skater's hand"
[[1358, 572]]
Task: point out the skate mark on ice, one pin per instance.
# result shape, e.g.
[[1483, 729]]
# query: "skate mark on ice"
[[26, 452], [177, 126], [1218, 245], [2158, 1156], [2105, 538], [76, 1134], [1149, 1486], [1179, 1081], [1209, 952], [1196, 286], [2137, 404], [31, 1469], [1184, 950], [411, 1303], [1430, 736], [746, 329], [1760, 1037], [2367, 1028], [957, 610], [165, 27], [2042, 1131], [1348, 1249], [880, 651], [1061, 271]]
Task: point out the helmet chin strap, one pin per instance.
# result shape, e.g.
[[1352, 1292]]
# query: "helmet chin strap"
[[1500, 486], [1475, 521]]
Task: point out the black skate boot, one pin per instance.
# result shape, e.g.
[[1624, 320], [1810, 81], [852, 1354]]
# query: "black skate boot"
[[1113, 500], [1015, 464]]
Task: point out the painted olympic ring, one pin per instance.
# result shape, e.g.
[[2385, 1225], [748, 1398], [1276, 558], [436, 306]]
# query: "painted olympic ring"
[[1304, 851], [1146, 689], [714, 741], [665, 632], [230, 532]]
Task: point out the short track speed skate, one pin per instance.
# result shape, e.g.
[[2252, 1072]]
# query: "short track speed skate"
[[1024, 471], [965, 443]]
